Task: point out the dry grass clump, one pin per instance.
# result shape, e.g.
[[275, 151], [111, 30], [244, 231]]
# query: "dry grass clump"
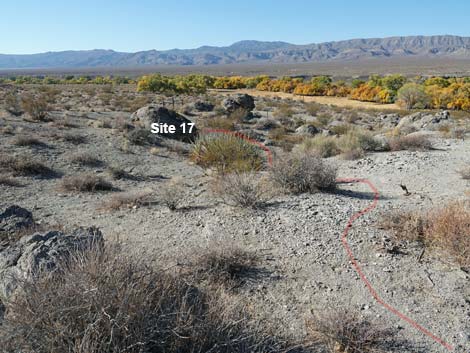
[[346, 332], [246, 190], [25, 166], [36, 107], [12, 103], [30, 141], [85, 183], [410, 142], [313, 108], [299, 173], [227, 153], [353, 144], [445, 229], [118, 173], [128, 200], [448, 229], [142, 137], [172, 193], [324, 146], [408, 226], [8, 181], [226, 265], [219, 122], [74, 139], [85, 159], [7, 130], [102, 301], [284, 110], [465, 172]]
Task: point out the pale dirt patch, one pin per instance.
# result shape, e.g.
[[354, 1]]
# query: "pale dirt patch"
[[343, 102]]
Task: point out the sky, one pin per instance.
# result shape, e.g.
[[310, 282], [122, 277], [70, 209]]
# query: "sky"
[[34, 26]]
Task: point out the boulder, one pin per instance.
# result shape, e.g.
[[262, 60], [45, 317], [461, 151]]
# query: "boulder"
[[238, 101], [150, 114], [307, 129], [202, 106], [14, 219], [32, 254], [424, 121]]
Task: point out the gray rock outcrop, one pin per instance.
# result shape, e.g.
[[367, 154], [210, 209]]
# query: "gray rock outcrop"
[[14, 219], [146, 116], [307, 129], [32, 254], [423, 121]]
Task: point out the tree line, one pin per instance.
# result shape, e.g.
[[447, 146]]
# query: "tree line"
[[410, 93]]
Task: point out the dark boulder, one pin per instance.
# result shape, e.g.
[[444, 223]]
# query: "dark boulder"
[[239, 101], [152, 114]]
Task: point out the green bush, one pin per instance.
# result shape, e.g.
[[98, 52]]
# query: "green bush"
[[227, 153]]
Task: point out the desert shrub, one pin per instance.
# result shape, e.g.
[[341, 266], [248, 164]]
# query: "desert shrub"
[[353, 154], [25, 166], [85, 183], [444, 228], [36, 107], [74, 139], [117, 172], [448, 229], [278, 133], [345, 332], [354, 143], [172, 193], [313, 108], [341, 129], [219, 122], [465, 172], [284, 110], [300, 173], [227, 153], [7, 130], [127, 200], [12, 103], [324, 146], [31, 141], [8, 181], [246, 190], [323, 119], [85, 159], [412, 95], [226, 265], [408, 225], [65, 122], [410, 142], [104, 301], [142, 137]]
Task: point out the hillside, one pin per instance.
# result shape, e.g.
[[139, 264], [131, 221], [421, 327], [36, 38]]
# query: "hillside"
[[251, 52]]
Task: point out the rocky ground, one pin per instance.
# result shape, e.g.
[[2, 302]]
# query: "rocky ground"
[[298, 236]]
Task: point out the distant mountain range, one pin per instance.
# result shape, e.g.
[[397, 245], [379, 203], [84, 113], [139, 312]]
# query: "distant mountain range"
[[251, 51]]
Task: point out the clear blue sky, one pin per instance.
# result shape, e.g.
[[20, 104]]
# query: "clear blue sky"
[[32, 26]]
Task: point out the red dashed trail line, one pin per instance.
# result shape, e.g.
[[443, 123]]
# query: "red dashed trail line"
[[344, 237], [361, 274]]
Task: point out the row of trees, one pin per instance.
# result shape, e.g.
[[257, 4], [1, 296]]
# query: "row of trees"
[[69, 79], [189, 84], [435, 92]]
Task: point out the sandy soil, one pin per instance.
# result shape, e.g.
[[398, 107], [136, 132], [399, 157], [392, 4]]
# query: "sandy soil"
[[342, 102]]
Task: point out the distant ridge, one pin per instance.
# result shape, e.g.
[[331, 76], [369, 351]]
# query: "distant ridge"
[[251, 51]]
